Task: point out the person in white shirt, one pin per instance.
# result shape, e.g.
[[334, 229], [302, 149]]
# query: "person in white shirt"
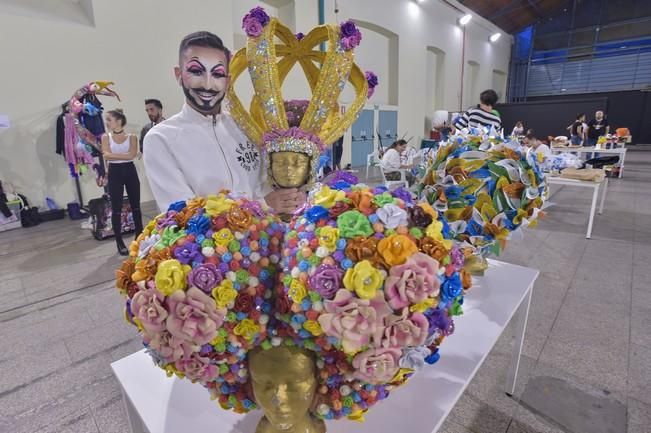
[[201, 150], [541, 150], [392, 164]]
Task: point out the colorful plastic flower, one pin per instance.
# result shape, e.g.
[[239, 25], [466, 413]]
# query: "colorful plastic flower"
[[376, 365], [170, 277], [404, 330], [352, 224], [218, 204], [413, 282], [328, 237], [223, 237], [326, 280], [392, 216], [364, 279], [193, 316], [205, 276], [396, 249], [327, 197], [353, 321], [224, 294], [148, 308]]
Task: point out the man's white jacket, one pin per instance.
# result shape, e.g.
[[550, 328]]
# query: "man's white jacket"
[[191, 155]]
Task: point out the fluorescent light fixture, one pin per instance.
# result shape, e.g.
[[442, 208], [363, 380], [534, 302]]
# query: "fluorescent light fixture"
[[495, 36], [465, 19]]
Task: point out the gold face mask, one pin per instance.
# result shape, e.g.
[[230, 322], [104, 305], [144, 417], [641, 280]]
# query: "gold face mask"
[[284, 385], [290, 169]]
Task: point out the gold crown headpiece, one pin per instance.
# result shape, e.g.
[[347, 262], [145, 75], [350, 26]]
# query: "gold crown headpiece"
[[271, 52]]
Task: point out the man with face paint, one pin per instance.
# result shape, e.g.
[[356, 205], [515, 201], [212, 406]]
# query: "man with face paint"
[[200, 150]]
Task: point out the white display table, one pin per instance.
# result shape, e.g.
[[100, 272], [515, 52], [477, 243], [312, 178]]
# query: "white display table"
[[158, 404], [551, 180], [620, 151]]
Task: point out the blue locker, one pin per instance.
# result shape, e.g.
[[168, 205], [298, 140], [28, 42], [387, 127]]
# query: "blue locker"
[[362, 138], [388, 126]]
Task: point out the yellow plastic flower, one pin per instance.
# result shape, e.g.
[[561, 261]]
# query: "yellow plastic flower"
[[170, 277], [247, 328], [313, 328], [429, 210], [151, 225], [218, 340], [396, 249], [223, 237], [327, 197], [401, 375], [364, 279], [423, 306], [224, 294], [218, 204], [297, 291], [358, 416], [170, 370], [434, 231], [328, 237]]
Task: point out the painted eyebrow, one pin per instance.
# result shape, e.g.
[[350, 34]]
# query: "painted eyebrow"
[[217, 67], [195, 61]]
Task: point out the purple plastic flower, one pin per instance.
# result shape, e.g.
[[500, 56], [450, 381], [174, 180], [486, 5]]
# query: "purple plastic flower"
[[252, 27], [348, 28], [166, 221], [458, 258], [205, 277], [402, 194], [439, 321], [341, 176], [326, 280], [372, 81], [260, 15], [254, 207], [187, 253]]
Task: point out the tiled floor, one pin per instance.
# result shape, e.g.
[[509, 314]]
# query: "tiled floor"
[[590, 320]]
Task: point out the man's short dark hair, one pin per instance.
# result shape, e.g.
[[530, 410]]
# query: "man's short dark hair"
[[488, 97], [204, 39], [530, 135], [156, 102]]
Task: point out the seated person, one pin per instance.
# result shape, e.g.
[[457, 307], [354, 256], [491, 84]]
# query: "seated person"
[[391, 162], [541, 150]]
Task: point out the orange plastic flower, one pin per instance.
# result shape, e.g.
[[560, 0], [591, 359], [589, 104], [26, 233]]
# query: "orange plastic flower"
[[466, 279], [123, 275], [433, 248], [361, 248], [239, 219], [396, 249], [363, 201]]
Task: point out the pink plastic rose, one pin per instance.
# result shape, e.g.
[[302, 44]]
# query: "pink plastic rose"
[[197, 368], [352, 320], [403, 330], [252, 27], [377, 365], [412, 282], [193, 316], [147, 307], [170, 348]]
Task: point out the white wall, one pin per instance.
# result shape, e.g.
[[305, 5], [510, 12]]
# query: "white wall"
[[44, 60]]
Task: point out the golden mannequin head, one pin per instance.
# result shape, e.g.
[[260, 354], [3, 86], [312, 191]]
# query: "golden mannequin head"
[[284, 385], [290, 169]]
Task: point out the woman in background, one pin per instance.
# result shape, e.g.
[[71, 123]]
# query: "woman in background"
[[391, 162], [119, 150], [518, 129]]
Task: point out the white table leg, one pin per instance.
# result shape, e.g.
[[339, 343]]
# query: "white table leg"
[[621, 165], [135, 422], [521, 327], [603, 196], [593, 207]]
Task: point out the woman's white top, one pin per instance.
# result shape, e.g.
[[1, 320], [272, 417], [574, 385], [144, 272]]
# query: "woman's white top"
[[119, 148]]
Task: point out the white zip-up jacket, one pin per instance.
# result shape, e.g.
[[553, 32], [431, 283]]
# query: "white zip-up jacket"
[[191, 155]]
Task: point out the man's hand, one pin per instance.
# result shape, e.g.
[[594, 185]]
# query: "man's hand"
[[285, 201]]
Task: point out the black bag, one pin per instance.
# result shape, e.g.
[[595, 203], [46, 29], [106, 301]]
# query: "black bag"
[[100, 213], [28, 215]]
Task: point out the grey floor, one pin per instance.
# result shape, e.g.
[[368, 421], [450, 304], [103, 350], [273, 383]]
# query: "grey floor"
[[590, 323]]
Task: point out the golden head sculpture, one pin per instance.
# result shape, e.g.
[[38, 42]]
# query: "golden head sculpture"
[[292, 152]]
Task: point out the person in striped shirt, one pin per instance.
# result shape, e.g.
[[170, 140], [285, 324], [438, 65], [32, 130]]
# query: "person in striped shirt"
[[483, 115]]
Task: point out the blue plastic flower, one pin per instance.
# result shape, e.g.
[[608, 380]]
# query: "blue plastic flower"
[[198, 224], [451, 287], [177, 206], [316, 213]]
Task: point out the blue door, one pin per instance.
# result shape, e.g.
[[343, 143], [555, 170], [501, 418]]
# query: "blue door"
[[388, 127], [362, 138]]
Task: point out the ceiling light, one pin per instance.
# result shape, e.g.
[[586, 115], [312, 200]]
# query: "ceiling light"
[[495, 36], [465, 19]]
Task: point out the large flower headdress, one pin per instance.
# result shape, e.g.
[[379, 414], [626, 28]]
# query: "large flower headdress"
[[271, 52]]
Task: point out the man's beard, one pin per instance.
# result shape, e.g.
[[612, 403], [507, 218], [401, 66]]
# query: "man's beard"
[[210, 105]]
